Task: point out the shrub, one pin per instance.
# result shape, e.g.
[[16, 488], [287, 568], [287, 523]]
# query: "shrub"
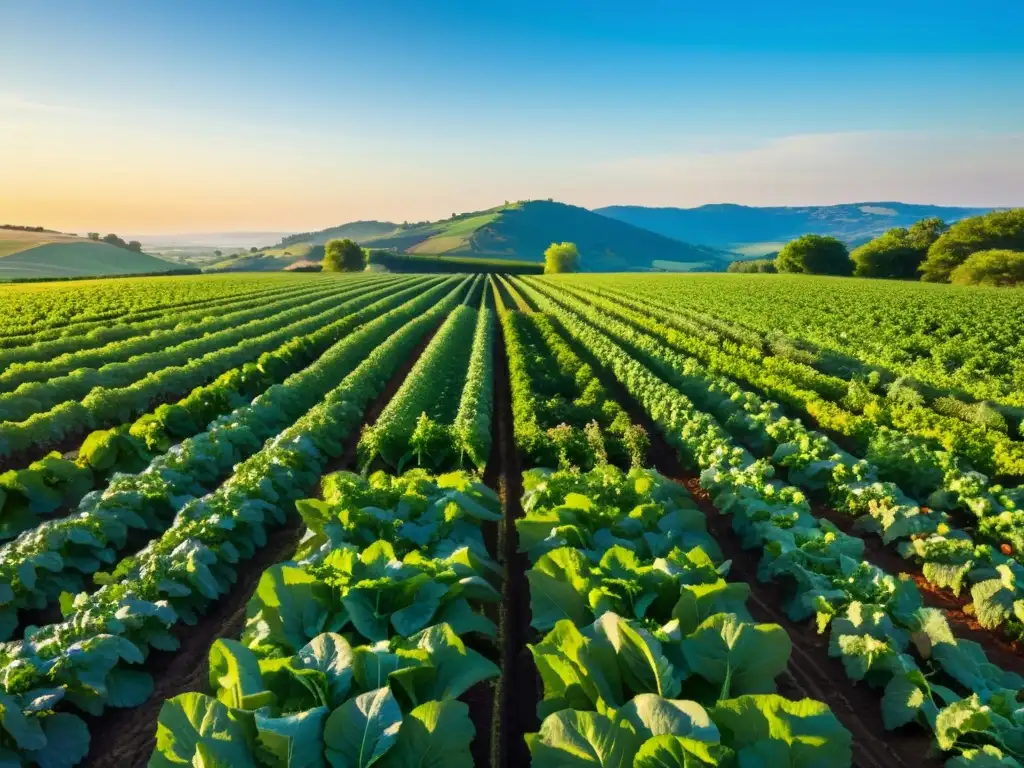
[[993, 267], [997, 230], [815, 255]]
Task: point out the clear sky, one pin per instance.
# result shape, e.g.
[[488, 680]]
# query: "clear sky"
[[184, 116]]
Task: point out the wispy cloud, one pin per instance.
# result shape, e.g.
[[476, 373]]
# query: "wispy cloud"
[[955, 168], [17, 103]]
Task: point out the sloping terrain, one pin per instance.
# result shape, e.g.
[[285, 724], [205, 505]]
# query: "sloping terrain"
[[734, 226], [63, 256], [522, 231]]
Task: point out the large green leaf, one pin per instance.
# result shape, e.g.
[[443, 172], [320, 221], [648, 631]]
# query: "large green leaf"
[[434, 735], [643, 666], [577, 670], [560, 585], [363, 729], [651, 715], [570, 738], [235, 676], [193, 724], [698, 602], [736, 655], [801, 733], [288, 608], [454, 667], [331, 654], [294, 741], [67, 742], [678, 752]]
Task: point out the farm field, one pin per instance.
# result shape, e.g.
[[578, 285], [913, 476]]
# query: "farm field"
[[395, 519]]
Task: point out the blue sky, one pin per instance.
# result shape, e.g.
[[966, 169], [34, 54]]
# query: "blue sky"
[[161, 117]]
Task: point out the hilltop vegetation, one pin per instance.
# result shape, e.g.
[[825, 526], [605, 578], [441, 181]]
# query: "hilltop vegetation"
[[521, 232]]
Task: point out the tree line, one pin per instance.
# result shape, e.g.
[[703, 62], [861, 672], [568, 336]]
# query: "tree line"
[[112, 239], [980, 250]]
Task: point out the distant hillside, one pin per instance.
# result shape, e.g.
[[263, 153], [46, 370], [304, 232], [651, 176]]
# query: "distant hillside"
[[521, 232], [31, 255], [751, 230]]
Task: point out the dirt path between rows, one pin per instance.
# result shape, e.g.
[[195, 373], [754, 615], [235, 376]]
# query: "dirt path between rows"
[[519, 690]]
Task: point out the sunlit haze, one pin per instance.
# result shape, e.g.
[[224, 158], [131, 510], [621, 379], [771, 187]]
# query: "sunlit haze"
[[189, 116]]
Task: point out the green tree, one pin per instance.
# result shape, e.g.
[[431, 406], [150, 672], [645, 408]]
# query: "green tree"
[[134, 245], [815, 255], [94, 235], [923, 233], [218, 254], [897, 253], [343, 256], [992, 267], [561, 257], [254, 249], [752, 265], [1000, 230]]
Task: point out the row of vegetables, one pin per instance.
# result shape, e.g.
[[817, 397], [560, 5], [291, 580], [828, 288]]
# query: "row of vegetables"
[[842, 372], [440, 417], [85, 661], [877, 623], [105, 406], [951, 557], [33, 313], [60, 555], [563, 416], [34, 374], [651, 657], [359, 650], [69, 384], [46, 358], [53, 483], [850, 408]]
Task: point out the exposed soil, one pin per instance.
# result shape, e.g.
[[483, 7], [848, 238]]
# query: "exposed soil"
[[519, 689], [126, 737]]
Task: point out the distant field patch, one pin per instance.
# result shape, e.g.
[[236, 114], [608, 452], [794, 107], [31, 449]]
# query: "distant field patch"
[[753, 250], [75, 257]]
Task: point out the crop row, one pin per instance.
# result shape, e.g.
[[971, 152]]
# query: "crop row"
[[950, 556], [33, 313], [563, 416], [877, 624], [53, 366], [53, 482], [35, 396], [440, 414], [353, 651], [108, 406], [848, 407], [78, 662], [630, 589], [45, 348], [58, 555]]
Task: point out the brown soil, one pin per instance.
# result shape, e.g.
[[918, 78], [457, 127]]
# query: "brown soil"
[[519, 690]]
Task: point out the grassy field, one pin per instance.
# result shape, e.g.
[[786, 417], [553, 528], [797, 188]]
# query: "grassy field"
[[76, 257]]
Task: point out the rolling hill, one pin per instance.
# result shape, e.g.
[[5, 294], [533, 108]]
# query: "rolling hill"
[[49, 254], [754, 231], [521, 232]]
